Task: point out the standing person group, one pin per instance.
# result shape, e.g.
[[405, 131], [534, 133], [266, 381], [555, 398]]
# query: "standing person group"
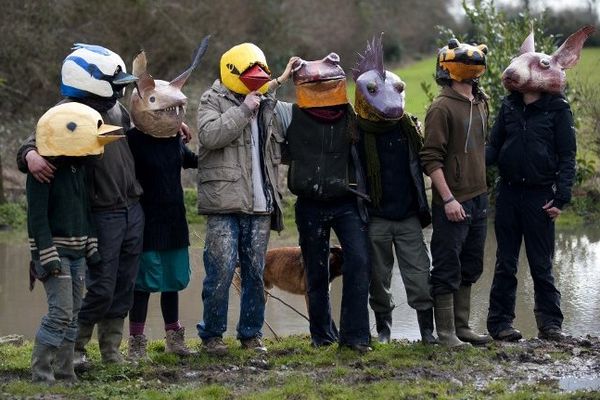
[[357, 171]]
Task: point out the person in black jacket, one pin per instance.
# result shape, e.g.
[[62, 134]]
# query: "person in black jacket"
[[533, 144]]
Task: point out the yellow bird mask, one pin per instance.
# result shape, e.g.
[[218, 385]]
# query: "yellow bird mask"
[[244, 69]]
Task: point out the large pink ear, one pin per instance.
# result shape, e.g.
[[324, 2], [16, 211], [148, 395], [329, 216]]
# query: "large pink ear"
[[528, 45], [145, 81], [567, 55]]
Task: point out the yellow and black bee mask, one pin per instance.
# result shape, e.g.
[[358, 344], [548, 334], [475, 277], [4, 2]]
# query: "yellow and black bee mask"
[[460, 62], [244, 69]]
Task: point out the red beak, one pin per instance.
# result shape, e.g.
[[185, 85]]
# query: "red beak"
[[254, 77]]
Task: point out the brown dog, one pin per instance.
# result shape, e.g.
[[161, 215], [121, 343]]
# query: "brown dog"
[[284, 269]]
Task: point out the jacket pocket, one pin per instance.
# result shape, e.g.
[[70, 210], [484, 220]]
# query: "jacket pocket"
[[219, 173], [457, 172]]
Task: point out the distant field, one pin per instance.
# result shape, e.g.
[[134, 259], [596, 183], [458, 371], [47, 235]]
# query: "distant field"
[[422, 71]]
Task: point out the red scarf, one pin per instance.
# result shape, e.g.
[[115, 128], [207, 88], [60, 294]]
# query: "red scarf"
[[328, 114]]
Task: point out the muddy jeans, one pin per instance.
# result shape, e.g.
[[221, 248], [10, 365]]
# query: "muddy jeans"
[[229, 237], [64, 293], [315, 220], [406, 238]]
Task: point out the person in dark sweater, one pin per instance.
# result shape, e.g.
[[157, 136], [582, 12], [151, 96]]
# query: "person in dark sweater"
[[533, 143], [160, 154], [390, 141], [95, 76], [61, 232], [453, 155]]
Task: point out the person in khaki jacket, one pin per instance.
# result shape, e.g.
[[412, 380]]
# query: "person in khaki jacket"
[[454, 157], [240, 135]]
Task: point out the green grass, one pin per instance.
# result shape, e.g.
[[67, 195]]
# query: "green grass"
[[295, 370]]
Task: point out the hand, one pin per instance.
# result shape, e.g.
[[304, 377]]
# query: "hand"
[[288, 69], [42, 170], [454, 211], [185, 132], [553, 212], [252, 100]]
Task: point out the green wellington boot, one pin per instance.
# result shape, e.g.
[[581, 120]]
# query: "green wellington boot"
[[110, 334], [84, 335], [63, 362], [444, 321], [462, 311], [42, 358]]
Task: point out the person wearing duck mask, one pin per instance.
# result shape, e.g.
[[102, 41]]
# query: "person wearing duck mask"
[[240, 136], [453, 156]]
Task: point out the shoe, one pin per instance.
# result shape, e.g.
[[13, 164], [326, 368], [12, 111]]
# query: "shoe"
[[358, 347], [254, 344], [317, 345], [552, 333], [63, 362], [444, 321], [508, 335], [214, 345], [425, 320], [462, 311], [42, 358], [137, 348], [383, 324], [175, 343], [110, 334]]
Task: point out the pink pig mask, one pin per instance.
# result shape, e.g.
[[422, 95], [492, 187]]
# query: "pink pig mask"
[[538, 72]]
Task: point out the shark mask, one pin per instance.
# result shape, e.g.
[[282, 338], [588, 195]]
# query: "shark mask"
[[158, 107], [74, 130]]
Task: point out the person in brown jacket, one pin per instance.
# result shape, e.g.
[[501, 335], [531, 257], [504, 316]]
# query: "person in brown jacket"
[[454, 157]]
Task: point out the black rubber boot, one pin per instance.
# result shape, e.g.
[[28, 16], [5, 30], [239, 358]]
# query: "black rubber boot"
[[425, 320], [84, 335], [63, 363], [110, 334], [42, 358], [383, 323]]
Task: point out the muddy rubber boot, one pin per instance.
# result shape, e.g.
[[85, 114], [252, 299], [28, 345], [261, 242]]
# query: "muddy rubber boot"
[[42, 358], [425, 320], [137, 348], [63, 362], [462, 311], [110, 334], [444, 321], [84, 335], [383, 323], [175, 343]]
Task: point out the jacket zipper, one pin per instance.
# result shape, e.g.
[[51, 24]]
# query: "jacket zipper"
[[469, 127]]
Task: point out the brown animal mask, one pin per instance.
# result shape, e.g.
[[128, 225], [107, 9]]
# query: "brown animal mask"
[[320, 83], [538, 72], [158, 107]]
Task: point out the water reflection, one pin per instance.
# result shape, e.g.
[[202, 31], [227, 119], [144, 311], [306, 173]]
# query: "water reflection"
[[576, 269]]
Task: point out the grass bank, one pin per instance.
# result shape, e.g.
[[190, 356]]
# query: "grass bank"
[[295, 370]]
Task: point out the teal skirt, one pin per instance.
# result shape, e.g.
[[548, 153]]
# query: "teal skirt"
[[164, 271]]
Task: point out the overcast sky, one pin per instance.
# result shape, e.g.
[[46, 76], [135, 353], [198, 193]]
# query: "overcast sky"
[[537, 5]]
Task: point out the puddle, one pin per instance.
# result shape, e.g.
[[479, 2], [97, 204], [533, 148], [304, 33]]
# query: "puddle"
[[574, 383]]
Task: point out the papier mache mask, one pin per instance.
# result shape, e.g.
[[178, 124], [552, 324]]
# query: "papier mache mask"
[[244, 69], [92, 70], [320, 83], [538, 72], [73, 129], [379, 94], [460, 62], [158, 107]]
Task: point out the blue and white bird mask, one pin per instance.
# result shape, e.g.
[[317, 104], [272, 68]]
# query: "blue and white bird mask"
[[92, 70]]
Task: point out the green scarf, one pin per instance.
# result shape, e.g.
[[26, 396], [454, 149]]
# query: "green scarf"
[[408, 124]]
